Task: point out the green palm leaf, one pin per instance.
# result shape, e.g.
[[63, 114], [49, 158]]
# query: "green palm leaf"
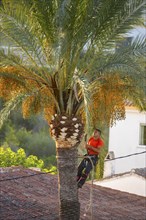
[[53, 38], [9, 106]]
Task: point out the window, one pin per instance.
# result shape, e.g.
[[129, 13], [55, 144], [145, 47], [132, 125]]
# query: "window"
[[143, 134]]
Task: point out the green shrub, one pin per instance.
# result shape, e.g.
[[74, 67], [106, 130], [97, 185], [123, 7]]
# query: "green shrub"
[[10, 158]]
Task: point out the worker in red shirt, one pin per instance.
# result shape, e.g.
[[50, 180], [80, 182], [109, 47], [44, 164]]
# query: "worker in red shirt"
[[94, 145]]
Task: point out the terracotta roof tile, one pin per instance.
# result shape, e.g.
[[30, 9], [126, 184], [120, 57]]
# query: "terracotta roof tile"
[[36, 197]]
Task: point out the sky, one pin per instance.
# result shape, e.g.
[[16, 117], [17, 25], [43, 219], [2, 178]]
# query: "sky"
[[141, 31]]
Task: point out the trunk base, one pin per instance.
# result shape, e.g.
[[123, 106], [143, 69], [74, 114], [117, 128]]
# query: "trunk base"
[[69, 210], [68, 193]]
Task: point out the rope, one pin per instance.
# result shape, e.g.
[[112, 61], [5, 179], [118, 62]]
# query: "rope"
[[116, 158], [129, 155], [21, 177], [90, 206]]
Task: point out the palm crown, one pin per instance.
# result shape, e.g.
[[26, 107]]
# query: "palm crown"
[[61, 61]]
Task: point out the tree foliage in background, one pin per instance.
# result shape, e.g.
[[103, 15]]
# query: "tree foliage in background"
[[10, 158], [31, 135], [38, 144]]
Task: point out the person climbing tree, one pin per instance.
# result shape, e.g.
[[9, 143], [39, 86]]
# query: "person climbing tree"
[[94, 145]]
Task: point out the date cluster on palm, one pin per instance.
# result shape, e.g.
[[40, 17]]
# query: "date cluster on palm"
[[66, 130]]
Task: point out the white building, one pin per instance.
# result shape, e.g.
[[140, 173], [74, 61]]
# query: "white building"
[[127, 137], [126, 158]]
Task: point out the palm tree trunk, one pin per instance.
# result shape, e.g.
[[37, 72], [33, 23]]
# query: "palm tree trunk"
[[69, 207]]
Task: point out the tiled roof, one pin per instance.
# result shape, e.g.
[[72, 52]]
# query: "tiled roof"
[[36, 197]]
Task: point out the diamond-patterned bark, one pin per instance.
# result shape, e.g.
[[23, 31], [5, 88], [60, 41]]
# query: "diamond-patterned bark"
[[66, 130]]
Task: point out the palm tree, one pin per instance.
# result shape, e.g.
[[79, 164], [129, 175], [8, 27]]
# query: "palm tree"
[[60, 61]]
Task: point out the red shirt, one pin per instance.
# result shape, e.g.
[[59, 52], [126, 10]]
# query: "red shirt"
[[97, 143]]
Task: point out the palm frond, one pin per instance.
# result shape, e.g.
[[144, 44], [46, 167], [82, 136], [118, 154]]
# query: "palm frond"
[[20, 72], [44, 14], [9, 106], [10, 56], [84, 89], [139, 46], [123, 60], [18, 30], [114, 18], [12, 76]]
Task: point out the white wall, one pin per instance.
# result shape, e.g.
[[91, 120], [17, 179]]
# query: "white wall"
[[124, 140], [128, 183]]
